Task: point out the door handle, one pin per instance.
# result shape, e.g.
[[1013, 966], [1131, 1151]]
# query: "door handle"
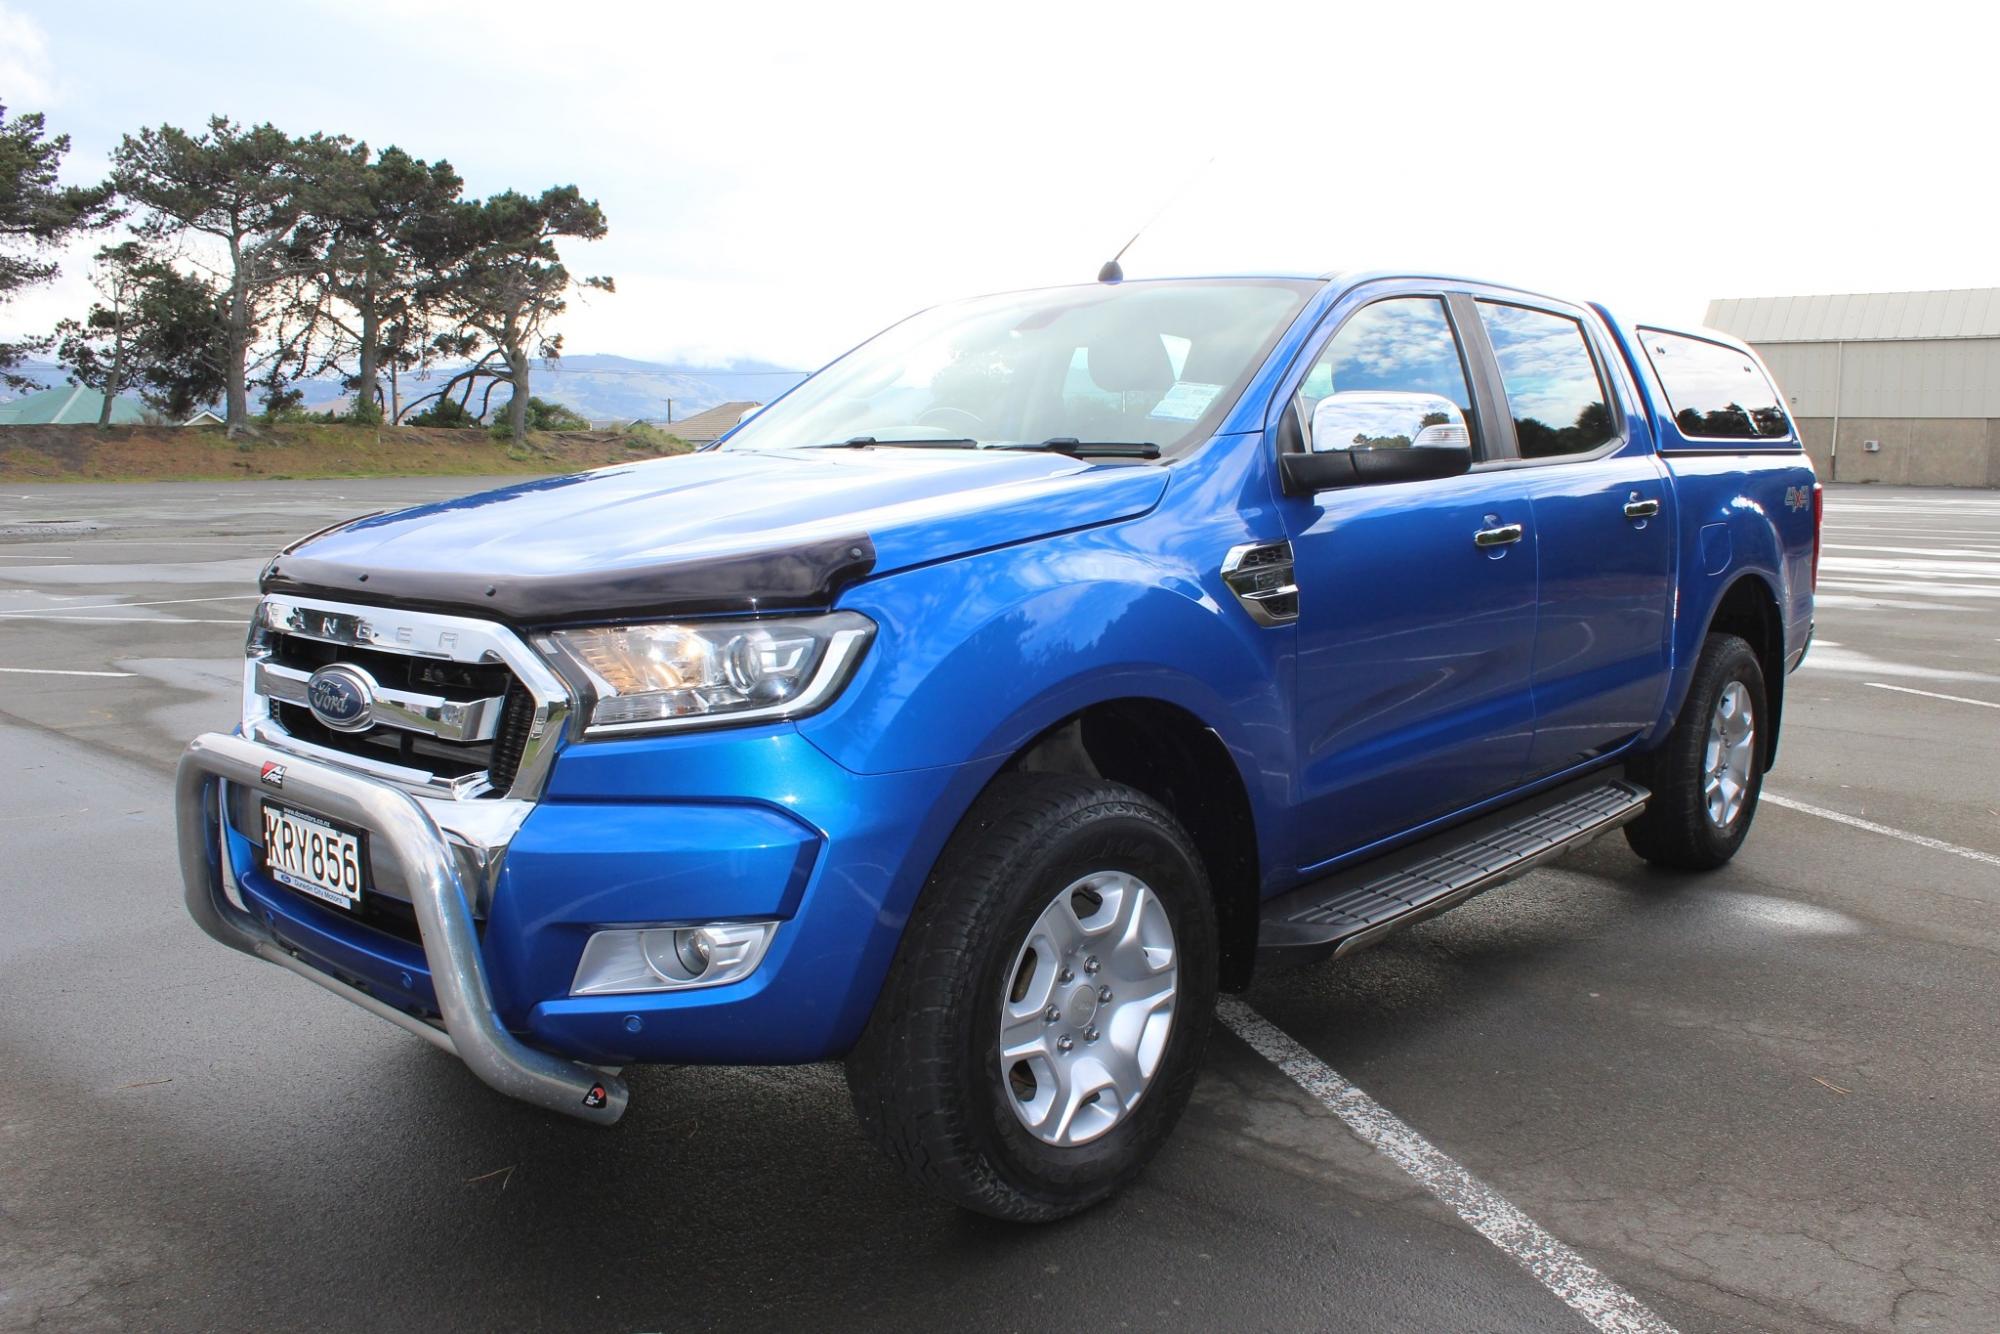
[[1638, 508], [1505, 535]]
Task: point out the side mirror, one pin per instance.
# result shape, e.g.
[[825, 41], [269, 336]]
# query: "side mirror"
[[1368, 437]]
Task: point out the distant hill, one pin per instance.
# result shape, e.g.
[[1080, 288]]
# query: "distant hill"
[[593, 386], [607, 386]]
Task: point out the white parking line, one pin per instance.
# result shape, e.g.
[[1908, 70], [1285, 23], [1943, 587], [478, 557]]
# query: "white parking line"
[[1561, 1270], [123, 620], [1932, 694], [165, 602], [52, 671], [1922, 841]]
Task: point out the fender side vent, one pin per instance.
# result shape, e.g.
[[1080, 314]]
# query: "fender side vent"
[[1260, 575]]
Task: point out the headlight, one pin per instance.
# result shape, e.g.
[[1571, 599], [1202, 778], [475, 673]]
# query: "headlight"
[[702, 673]]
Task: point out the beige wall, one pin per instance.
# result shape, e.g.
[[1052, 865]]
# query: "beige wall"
[[1939, 377], [1916, 451]]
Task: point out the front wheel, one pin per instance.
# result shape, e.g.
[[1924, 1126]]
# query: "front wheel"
[[1039, 1034], [1706, 778]]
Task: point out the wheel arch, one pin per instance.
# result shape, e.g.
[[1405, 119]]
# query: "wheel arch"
[[1172, 755], [1749, 609]]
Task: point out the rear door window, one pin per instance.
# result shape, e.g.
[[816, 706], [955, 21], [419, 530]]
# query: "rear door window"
[[1554, 391], [1715, 392]]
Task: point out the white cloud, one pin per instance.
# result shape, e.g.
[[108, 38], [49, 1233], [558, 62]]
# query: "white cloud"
[[26, 73]]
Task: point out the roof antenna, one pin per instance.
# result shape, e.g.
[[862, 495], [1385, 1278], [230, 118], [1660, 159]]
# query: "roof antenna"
[[1112, 272]]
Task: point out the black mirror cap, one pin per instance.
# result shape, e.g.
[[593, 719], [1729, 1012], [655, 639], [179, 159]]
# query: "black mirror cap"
[[1305, 474]]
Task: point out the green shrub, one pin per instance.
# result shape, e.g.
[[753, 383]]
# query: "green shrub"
[[644, 438], [447, 412], [542, 416]]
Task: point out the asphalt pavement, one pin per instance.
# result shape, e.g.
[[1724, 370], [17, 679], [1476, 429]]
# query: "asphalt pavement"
[[1763, 1098]]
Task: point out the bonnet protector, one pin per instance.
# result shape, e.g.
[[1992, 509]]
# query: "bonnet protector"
[[793, 578]]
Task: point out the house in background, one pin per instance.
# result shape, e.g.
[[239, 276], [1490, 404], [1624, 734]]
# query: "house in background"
[[70, 405], [707, 427], [204, 418]]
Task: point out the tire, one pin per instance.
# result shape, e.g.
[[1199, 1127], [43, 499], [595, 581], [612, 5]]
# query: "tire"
[[1679, 828], [926, 1076]]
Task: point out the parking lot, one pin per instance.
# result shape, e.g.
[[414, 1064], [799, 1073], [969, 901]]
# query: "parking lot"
[[1764, 1098]]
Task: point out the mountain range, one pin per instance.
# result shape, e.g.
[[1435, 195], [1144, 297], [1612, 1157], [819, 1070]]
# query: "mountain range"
[[599, 387]]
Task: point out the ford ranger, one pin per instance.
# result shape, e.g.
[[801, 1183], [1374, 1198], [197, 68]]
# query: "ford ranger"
[[980, 708]]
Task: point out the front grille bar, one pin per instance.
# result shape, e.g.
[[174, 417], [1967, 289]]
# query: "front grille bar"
[[404, 710]]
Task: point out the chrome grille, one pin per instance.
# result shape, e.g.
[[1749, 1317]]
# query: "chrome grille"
[[450, 706]]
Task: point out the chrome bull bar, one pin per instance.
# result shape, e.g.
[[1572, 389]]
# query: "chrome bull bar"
[[399, 829]]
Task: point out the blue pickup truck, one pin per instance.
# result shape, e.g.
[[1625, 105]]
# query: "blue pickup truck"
[[979, 709]]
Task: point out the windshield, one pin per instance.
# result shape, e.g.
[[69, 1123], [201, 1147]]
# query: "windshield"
[[1137, 362]]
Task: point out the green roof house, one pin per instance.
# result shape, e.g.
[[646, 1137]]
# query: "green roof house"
[[69, 405]]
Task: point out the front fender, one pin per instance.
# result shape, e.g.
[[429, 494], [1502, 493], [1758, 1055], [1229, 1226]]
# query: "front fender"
[[976, 657]]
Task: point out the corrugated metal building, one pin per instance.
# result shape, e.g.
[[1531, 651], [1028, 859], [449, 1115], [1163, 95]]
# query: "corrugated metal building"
[[1885, 386]]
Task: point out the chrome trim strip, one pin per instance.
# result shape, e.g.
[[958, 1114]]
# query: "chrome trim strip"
[[400, 829], [405, 710]]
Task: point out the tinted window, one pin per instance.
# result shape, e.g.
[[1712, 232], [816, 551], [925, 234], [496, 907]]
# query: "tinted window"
[[1404, 344], [1553, 390], [1715, 392]]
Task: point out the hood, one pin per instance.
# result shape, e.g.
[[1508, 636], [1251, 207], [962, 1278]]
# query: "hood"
[[716, 531]]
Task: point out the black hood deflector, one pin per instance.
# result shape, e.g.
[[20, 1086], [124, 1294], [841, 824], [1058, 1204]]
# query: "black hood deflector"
[[793, 578]]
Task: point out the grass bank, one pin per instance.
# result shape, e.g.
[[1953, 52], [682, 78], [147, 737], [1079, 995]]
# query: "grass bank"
[[302, 450]]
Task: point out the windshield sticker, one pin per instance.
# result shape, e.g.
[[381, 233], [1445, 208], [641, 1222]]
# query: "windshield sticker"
[[1186, 401]]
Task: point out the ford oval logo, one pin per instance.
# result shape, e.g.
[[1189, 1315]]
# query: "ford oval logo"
[[342, 697]]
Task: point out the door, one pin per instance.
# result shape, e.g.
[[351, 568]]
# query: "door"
[[1605, 528], [1415, 632]]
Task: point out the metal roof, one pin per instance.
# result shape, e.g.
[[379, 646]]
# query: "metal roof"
[[1966, 312], [703, 427], [68, 405]]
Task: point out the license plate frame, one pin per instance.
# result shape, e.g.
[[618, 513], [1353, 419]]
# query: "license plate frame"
[[298, 841]]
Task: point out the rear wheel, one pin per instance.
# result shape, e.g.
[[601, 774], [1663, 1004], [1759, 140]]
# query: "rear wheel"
[[1707, 777], [1039, 1034]]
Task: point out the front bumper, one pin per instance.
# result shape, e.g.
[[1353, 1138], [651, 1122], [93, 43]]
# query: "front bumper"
[[401, 831], [731, 825]]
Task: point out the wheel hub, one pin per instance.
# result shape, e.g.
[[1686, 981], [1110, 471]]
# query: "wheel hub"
[[1081, 1008], [1728, 755], [1088, 1008]]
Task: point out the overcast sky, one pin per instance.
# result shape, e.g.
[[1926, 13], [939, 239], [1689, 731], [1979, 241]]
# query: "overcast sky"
[[782, 181]]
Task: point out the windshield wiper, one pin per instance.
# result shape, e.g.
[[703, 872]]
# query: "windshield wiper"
[[870, 442], [1090, 449]]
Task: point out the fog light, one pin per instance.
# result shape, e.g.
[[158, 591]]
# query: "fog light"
[[670, 958], [695, 950]]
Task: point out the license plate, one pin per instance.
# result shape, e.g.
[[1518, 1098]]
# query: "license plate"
[[312, 855]]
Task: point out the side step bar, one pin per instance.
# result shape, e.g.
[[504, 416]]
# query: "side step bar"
[[1355, 908]]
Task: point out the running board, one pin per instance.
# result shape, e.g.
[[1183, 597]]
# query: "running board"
[[1353, 909]]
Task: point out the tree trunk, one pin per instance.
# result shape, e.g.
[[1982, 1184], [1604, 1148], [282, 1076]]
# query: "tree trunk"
[[366, 390], [517, 407], [114, 378], [236, 393]]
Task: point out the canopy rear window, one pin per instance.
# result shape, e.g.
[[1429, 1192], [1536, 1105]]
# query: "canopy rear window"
[[1715, 392]]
